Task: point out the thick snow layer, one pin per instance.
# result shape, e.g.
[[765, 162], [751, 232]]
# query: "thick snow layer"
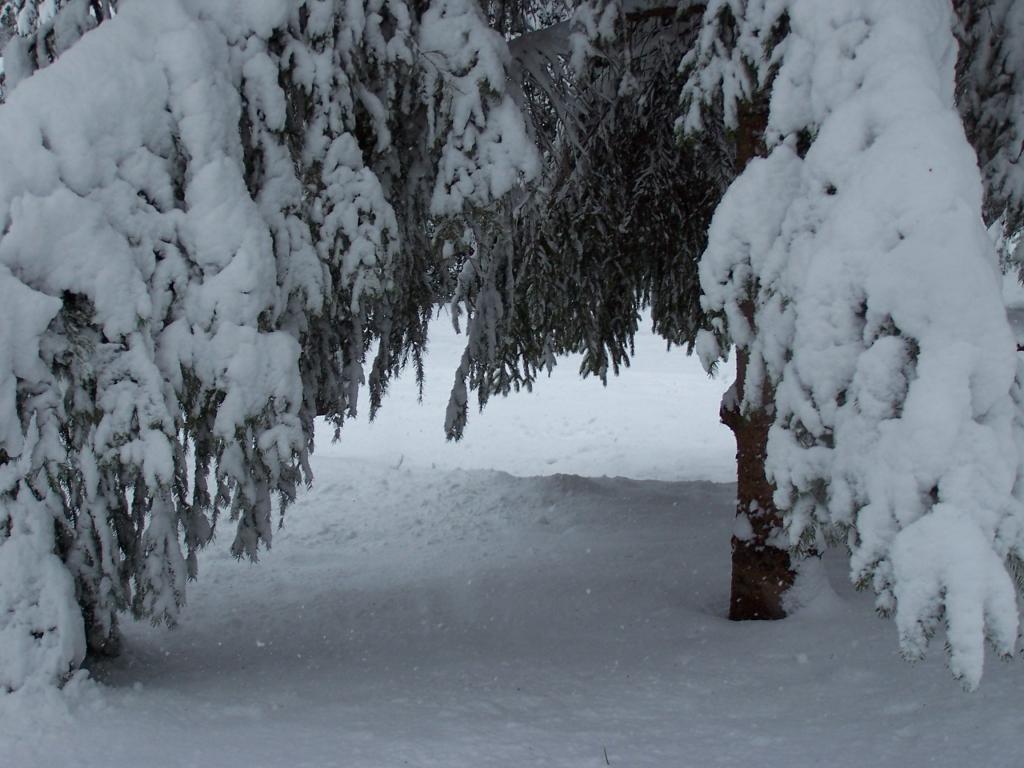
[[441, 617]]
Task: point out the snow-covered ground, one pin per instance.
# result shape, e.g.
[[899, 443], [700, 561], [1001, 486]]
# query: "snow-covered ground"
[[548, 593], [657, 421]]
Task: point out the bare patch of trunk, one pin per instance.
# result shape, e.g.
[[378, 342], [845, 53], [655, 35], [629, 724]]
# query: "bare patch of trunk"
[[761, 572]]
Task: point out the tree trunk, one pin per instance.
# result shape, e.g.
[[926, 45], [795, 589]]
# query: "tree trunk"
[[101, 641], [761, 572]]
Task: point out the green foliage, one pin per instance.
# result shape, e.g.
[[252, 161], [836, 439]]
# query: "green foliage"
[[616, 226]]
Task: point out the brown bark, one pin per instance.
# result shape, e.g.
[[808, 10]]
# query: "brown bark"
[[761, 573]]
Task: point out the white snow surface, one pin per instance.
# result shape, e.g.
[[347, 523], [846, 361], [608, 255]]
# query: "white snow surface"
[[415, 613], [662, 425]]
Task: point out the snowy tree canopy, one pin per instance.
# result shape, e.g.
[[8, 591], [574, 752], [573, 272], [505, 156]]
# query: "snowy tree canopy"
[[211, 211], [618, 218], [851, 263]]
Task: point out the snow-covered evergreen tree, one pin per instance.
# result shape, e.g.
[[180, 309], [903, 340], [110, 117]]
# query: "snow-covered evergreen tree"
[[211, 211], [850, 265]]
